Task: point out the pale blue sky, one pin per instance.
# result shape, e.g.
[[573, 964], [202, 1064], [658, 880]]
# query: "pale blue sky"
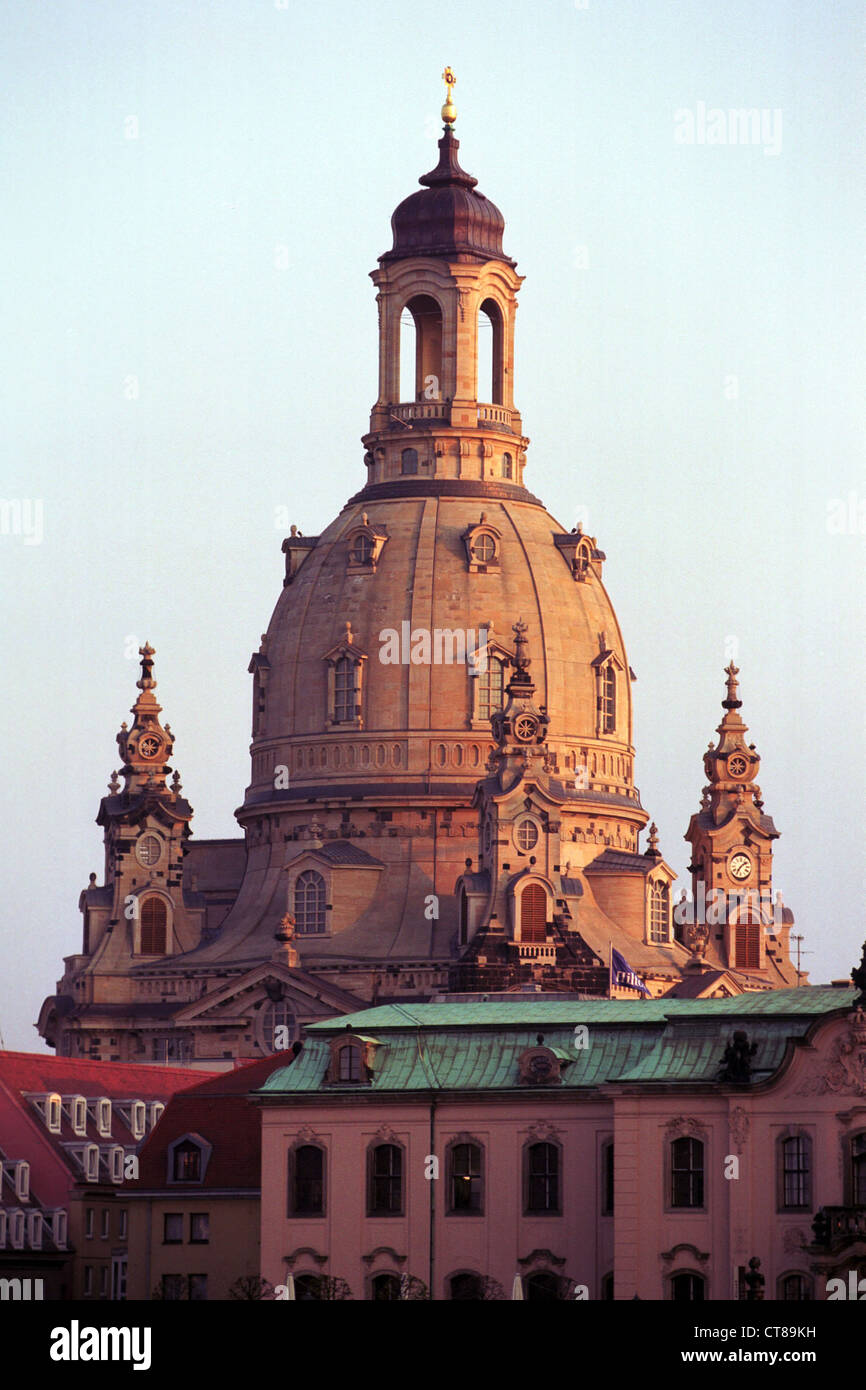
[[655, 272]]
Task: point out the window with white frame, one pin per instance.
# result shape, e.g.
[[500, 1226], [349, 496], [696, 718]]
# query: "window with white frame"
[[60, 1228], [103, 1117], [156, 1109], [659, 914], [3, 1223], [105, 1226], [139, 1119], [18, 1229], [34, 1231], [53, 1114], [79, 1115], [116, 1163], [91, 1163], [22, 1181], [88, 1223]]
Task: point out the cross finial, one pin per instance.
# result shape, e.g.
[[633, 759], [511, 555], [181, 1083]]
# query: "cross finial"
[[449, 110]]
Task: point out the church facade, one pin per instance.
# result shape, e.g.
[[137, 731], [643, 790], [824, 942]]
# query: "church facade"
[[442, 795]]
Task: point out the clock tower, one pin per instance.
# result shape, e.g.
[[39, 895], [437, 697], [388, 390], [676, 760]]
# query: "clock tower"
[[733, 916]]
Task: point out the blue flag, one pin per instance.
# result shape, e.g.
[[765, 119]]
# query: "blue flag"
[[622, 973]]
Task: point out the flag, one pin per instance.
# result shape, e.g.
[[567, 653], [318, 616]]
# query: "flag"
[[622, 973]]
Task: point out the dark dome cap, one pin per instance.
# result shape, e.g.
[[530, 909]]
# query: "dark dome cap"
[[448, 218]]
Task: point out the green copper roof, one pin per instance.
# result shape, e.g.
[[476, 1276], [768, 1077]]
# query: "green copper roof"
[[477, 1046]]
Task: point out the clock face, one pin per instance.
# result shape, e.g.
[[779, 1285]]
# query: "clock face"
[[148, 850], [148, 747], [737, 765], [740, 866], [525, 726]]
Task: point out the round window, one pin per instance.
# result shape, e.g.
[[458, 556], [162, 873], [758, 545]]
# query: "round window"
[[485, 548], [527, 835], [149, 850]]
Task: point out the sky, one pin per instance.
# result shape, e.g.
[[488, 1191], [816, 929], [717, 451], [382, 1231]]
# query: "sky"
[[195, 194]]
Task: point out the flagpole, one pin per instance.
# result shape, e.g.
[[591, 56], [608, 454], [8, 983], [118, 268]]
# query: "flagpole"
[[610, 968]]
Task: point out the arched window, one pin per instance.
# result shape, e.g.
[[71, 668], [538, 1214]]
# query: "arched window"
[[386, 1181], [608, 699], [464, 917], [659, 912], [484, 548], [154, 922], [687, 1172], [386, 1287], [858, 1170], [687, 1286], [421, 378], [308, 1287], [795, 1288], [309, 903], [349, 1063], [409, 461], [507, 466], [747, 942], [307, 1181], [464, 1178], [543, 1287], [541, 1178], [794, 1170], [465, 1286], [491, 687], [533, 913], [489, 387]]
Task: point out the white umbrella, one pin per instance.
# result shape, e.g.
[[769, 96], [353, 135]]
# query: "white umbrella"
[[517, 1288]]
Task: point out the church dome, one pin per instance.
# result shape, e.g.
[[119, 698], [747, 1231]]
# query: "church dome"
[[448, 217], [420, 726]]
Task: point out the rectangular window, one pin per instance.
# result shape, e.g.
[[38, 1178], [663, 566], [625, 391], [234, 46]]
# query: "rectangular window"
[[122, 1218], [104, 1224], [172, 1228], [607, 1179], [386, 1195], [542, 1178], [88, 1223], [172, 1287], [88, 1281], [795, 1172], [103, 1281], [199, 1228], [198, 1287], [118, 1278], [687, 1173]]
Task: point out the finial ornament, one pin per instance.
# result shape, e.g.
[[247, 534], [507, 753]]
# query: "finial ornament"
[[449, 110], [146, 653], [732, 671]]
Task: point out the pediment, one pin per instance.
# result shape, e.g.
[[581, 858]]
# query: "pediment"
[[234, 1001]]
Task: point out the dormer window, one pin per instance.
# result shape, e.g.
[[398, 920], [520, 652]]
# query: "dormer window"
[[507, 466], [351, 1061], [53, 1112], [156, 1109], [345, 682], [309, 903], [366, 542], [188, 1158], [22, 1181], [154, 925], [103, 1117], [116, 1163], [34, 1233], [138, 1120], [59, 1227], [17, 1224], [79, 1115], [659, 912], [91, 1163], [607, 670], [482, 545]]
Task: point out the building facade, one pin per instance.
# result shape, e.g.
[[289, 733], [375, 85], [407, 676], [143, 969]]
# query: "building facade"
[[594, 1149]]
